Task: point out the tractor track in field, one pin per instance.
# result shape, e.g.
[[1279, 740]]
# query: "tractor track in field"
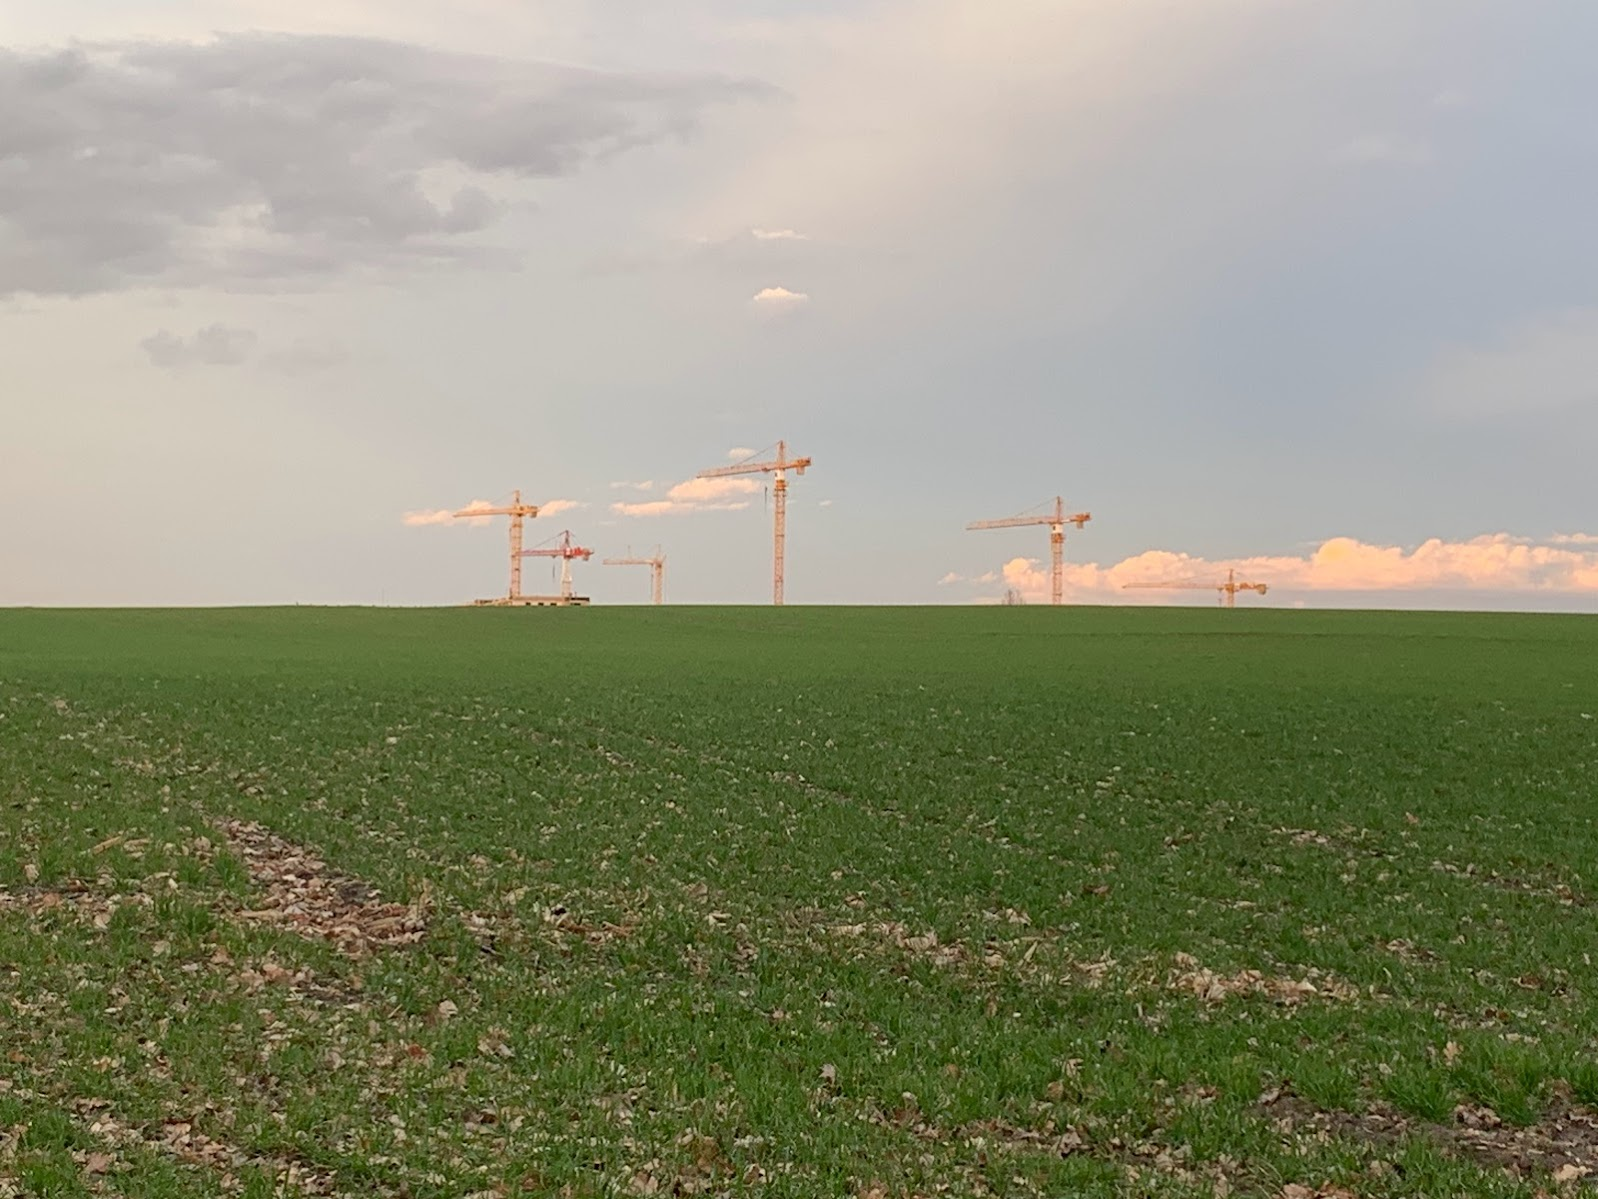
[[1562, 1143]]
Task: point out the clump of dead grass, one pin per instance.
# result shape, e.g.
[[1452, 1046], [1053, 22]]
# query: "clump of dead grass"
[[305, 896]]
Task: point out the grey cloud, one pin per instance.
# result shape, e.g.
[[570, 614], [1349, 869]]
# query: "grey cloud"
[[1546, 364], [278, 158], [306, 357], [750, 254], [215, 345], [761, 250], [223, 345]]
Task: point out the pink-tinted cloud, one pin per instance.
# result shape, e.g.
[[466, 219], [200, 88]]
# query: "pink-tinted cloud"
[[695, 495], [435, 516], [712, 491], [446, 516], [778, 301], [1566, 563]]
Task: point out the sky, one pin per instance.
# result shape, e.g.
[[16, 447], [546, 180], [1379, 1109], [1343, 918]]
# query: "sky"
[[1303, 289]]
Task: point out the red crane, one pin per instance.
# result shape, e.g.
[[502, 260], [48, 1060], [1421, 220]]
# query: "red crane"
[[564, 549]]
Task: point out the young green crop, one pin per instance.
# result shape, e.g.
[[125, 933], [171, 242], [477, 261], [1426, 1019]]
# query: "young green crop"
[[800, 902]]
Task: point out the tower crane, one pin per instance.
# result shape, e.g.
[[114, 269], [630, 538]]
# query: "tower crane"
[[1228, 590], [565, 550], [1056, 520], [657, 569], [778, 467], [517, 511]]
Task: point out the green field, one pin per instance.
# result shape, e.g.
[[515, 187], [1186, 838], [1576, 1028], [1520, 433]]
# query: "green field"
[[811, 902]]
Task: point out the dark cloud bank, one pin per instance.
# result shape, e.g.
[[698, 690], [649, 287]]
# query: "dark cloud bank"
[[261, 159]]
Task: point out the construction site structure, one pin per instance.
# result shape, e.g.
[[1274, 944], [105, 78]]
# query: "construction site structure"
[[778, 467], [657, 569], [564, 549], [1056, 520], [518, 512], [1228, 590]]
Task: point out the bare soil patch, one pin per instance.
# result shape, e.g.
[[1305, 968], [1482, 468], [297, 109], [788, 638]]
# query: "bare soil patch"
[[181, 1140], [1564, 1143], [304, 896]]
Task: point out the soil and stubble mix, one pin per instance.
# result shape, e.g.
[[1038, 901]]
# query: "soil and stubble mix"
[[869, 903]]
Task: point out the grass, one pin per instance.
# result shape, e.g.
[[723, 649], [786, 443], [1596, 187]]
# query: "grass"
[[799, 903]]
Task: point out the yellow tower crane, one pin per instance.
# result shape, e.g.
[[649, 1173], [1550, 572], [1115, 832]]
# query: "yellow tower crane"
[[1228, 590], [518, 512], [657, 569], [1056, 520], [779, 467]]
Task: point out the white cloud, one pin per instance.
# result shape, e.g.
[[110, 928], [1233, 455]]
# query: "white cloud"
[[777, 235], [214, 345], [1547, 363], [674, 508], [1491, 562], [644, 485], [712, 491], [987, 576], [446, 516], [739, 452], [824, 504], [695, 495], [779, 301]]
